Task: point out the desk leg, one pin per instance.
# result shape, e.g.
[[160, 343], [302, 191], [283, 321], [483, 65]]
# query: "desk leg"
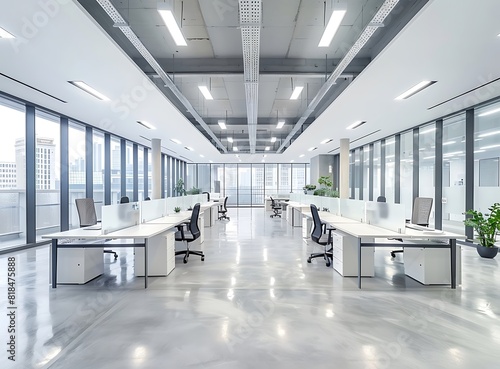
[[54, 263], [146, 263], [453, 253], [359, 262]]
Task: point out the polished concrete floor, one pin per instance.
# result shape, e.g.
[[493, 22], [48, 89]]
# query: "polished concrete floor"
[[253, 303]]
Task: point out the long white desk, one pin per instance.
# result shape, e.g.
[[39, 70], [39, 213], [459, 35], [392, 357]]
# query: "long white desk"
[[144, 231]]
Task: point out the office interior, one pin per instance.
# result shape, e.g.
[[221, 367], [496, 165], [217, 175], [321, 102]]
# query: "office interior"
[[254, 301]]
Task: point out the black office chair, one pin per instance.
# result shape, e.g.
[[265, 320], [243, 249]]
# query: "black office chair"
[[420, 215], [208, 195], [147, 198], [223, 210], [189, 232], [277, 209], [319, 237], [88, 216], [124, 200], [381, 199]]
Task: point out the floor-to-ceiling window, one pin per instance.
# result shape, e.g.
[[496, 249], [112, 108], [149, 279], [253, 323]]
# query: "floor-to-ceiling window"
[[116, 178], [129, 172], [150, 176], [191, 176], [140, 172], [76, 160], [406, 172], [244, 185], [357, 176], [203, 177], [390, 169], [453, 200], [366, 172], [376, 170], [257, 184], [217, 178], [231, 184], [285, 178], [47, 176], [12, 174], [271, 179], [427, 158], [98, 170], [298, 177]]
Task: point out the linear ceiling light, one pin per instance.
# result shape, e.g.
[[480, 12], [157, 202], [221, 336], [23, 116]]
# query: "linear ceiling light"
[[5, 34], [206, 93], [296, 92], [489, 112], [273, 139], [222, 124], [280, 124], [301, 155], [331, 27], [202, 156], [174, 140], [146, 124], [417, 88], [188, 148], [166, 13], [326, 141], [230, 139], [85, 87], [312, 149], [356, 124]]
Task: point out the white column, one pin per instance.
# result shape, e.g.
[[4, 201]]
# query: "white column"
[[344, 169], [155, 168]]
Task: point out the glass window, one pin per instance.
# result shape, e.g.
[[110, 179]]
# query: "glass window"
[[13, 177], [191, 176], [486, 157], [140, 172], [217, 183], [150, 176], [231, 184], [76, 158], [427, 157], [98, 170], [357, 177], [257, 184], [390, 169], [376, 170], [129, 171], [271, 178], [244, 185], [285, 178], [203, 177], [406, 172], [454, 173], [298, 177], [47, 174], [116, 178], [366, 172]]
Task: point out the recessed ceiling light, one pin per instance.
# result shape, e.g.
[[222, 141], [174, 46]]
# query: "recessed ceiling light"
[[235, 148], [222, 124], [273, 139], [331, 28], [146, 124], [301, 156], [489, 112], [5, 34], [326, 141], [206, 93], [168, 18], [230, 139], [296, 92], [267, 148], [188, 148], [280, 124], [85, 87], [356, 124], [202, 156], [312, 149], [417, 88], [174, 140]]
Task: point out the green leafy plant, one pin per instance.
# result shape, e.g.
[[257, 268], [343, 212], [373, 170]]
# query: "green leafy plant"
[[177, 209], [309, 187], [326, 188], [485, 225], [193, 191], [179, 188], [325, 182]]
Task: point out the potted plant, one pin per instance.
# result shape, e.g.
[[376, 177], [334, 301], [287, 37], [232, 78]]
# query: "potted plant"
[[177, 209], [486, 226], [309, 188], [179, 188], [326, 188]]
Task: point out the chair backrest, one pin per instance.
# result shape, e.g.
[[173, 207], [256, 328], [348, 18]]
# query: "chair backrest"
[[421, 210], [273, 202], [124, 200], [86, 212], [317, 230], [224, 206], [147, 198], [381, 199], [193, 224], [208, 195]]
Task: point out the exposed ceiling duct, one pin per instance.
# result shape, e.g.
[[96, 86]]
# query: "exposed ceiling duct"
[[120, 22], [373, 25], [250, 22]]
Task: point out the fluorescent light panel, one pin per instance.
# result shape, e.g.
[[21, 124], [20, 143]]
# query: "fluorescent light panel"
[[85, 87], [167, 15], [326, 141], [174, 140], [5, 34], [230, 139], [188, 148], [273, 139], [312, 149], [222, 124], [280, 124], [296, 92], [206, 93], [301, 156], [267, 148], [331, 28], [356, 124], [415, 89], [146, 124]]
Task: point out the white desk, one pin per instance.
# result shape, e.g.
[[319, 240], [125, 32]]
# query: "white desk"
[[294, 213], [144, 231], [210, 210]]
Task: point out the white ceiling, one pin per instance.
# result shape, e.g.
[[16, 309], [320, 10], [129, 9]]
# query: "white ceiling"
[[443, 43]]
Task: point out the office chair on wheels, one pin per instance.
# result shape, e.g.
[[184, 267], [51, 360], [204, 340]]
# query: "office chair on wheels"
[[189, 232], [277, 209], [320, 238], [124, 200], [88, 216], [420, 215], [223, 210]]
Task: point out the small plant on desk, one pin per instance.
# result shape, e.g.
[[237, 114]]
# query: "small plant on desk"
[[177, 209]]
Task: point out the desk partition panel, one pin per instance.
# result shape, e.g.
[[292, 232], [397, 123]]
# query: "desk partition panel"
[[170, 204], [352, 209], [386, 215], [116, 217], [152, 209], [332, 204]]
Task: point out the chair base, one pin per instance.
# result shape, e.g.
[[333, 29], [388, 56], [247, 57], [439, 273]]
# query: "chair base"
[[394, 252], [224, 217], [111, 252], [327, 255], [188, 252], [275, 215]]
